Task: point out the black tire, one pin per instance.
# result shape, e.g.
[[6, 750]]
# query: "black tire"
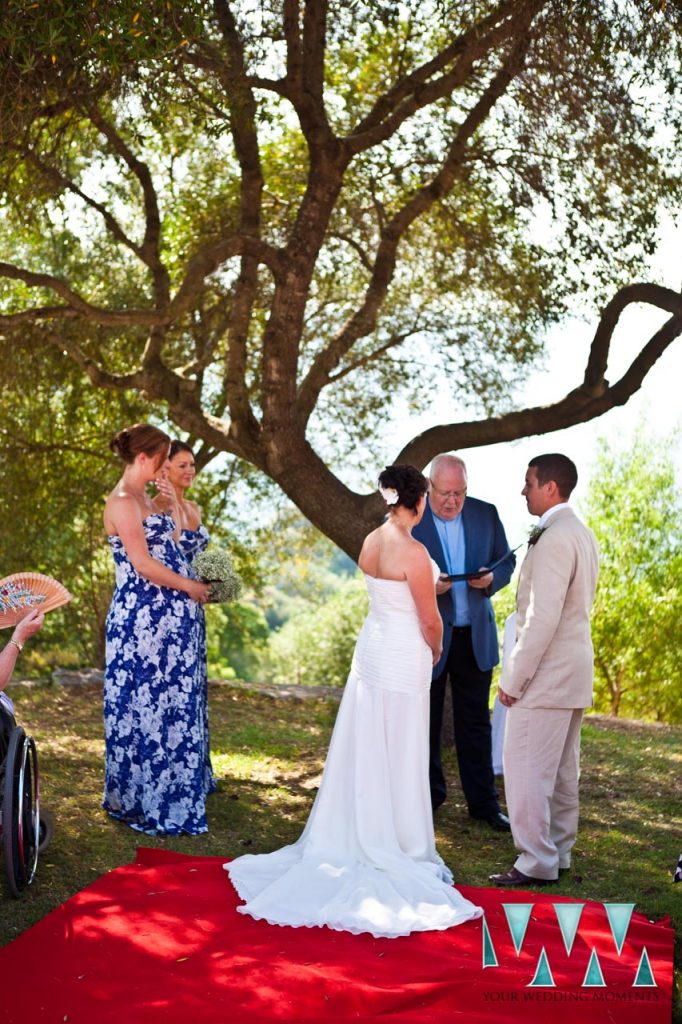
[[46, 829], [20, 812]]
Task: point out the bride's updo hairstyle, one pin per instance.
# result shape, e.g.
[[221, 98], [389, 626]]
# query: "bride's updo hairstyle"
[[133, 441], [402, 485]]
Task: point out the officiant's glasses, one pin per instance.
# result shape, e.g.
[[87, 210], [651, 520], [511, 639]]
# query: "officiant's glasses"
[[448, 494]]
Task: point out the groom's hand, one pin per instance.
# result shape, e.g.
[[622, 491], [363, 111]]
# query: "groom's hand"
[[505, 698]]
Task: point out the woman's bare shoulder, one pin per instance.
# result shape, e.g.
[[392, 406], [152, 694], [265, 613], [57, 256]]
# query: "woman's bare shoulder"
[[417, 555], [121, 499], [121, 506], [369, 549]]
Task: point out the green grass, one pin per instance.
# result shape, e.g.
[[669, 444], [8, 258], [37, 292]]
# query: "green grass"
[[269, 754]]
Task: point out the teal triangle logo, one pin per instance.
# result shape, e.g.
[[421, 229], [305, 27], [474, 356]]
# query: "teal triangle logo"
[[593, 975], [645, 976], [518, 916], [489, 956], [619, 915], [543, 975], [568, 916]]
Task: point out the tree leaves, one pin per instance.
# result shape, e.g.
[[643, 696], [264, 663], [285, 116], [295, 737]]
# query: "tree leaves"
[[259, 217]]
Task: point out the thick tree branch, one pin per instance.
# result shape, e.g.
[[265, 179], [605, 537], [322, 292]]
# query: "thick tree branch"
[[363, 320], [150, 250], [97, 374], [209, 257], [151, 357], [314, 46], [304, 82], [65, 182], [129, 317], [236, 392], [409, 84], [292, 35], [582, 404], [36, 315], [652, 294], [243, 111], [207, 335], [469, 48]]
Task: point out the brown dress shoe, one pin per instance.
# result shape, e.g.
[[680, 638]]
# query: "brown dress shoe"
[[516, 877]]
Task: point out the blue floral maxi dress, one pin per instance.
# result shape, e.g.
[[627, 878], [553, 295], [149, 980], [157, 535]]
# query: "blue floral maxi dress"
[[191, 543], [153, 726]]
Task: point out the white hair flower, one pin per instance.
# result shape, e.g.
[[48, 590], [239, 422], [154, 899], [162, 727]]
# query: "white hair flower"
[[389, 494]]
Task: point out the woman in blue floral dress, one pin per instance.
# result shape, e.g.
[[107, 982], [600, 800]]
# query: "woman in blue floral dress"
[[154, 779], [194, 537]]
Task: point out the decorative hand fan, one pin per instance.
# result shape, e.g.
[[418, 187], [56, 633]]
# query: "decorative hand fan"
[[23, 590]]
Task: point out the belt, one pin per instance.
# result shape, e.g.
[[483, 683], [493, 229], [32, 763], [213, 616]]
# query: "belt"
[[461, 629]]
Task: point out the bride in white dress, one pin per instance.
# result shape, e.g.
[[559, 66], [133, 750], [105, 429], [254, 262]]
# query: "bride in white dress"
[[366, 860]]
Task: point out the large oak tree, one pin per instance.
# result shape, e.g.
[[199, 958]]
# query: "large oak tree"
[[269, 218]]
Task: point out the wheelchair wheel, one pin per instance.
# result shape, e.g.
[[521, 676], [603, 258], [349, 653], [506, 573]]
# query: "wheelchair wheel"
[[45, 829], [20, 812]]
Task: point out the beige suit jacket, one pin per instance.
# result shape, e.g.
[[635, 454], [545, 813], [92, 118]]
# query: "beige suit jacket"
[[552, 663]]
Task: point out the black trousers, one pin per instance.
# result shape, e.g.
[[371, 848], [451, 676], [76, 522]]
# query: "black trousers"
[[473, 734]]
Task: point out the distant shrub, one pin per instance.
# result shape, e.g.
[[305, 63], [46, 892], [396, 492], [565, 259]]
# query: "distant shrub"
[[315, 646]]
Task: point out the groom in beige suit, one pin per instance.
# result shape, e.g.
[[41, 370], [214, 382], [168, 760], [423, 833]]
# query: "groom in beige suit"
[[548, 681]]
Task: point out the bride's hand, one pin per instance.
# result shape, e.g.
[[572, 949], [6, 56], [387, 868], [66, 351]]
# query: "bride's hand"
[[436, 656]]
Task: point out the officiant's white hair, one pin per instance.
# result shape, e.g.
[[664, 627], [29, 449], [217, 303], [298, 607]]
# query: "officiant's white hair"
[[446, 460]]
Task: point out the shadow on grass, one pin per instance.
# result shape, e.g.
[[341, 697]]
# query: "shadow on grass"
[[269, 755]]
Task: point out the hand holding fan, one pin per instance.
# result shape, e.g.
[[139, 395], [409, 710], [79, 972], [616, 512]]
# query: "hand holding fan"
[[24, 590]]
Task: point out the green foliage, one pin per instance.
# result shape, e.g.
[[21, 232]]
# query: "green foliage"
[[56, 471], [236, 639], [300, 568], [315, 647], [569, 143], [634, 507]]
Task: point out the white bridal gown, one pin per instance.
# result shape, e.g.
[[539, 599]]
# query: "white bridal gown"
[[366, 860]]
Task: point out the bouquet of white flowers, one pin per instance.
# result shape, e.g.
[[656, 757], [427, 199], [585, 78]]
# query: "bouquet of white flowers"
[[214, 566]]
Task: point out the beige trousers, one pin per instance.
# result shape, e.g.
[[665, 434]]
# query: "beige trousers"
[[541, 773]]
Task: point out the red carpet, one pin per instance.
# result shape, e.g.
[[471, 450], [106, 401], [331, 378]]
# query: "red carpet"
[[160, 941]]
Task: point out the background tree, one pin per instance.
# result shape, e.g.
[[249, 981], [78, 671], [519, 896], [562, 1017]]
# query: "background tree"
[[635, 508], [263, 218], [56, 469]]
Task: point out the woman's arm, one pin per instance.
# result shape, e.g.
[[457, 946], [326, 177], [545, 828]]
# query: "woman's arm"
[[124, 516], [29, 625], [419, 574]]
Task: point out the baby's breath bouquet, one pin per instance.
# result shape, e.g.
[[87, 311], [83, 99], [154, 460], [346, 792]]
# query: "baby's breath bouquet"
[[214, 566]]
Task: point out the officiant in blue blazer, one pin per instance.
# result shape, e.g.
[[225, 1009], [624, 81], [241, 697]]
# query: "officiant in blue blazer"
[[463, 534]]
